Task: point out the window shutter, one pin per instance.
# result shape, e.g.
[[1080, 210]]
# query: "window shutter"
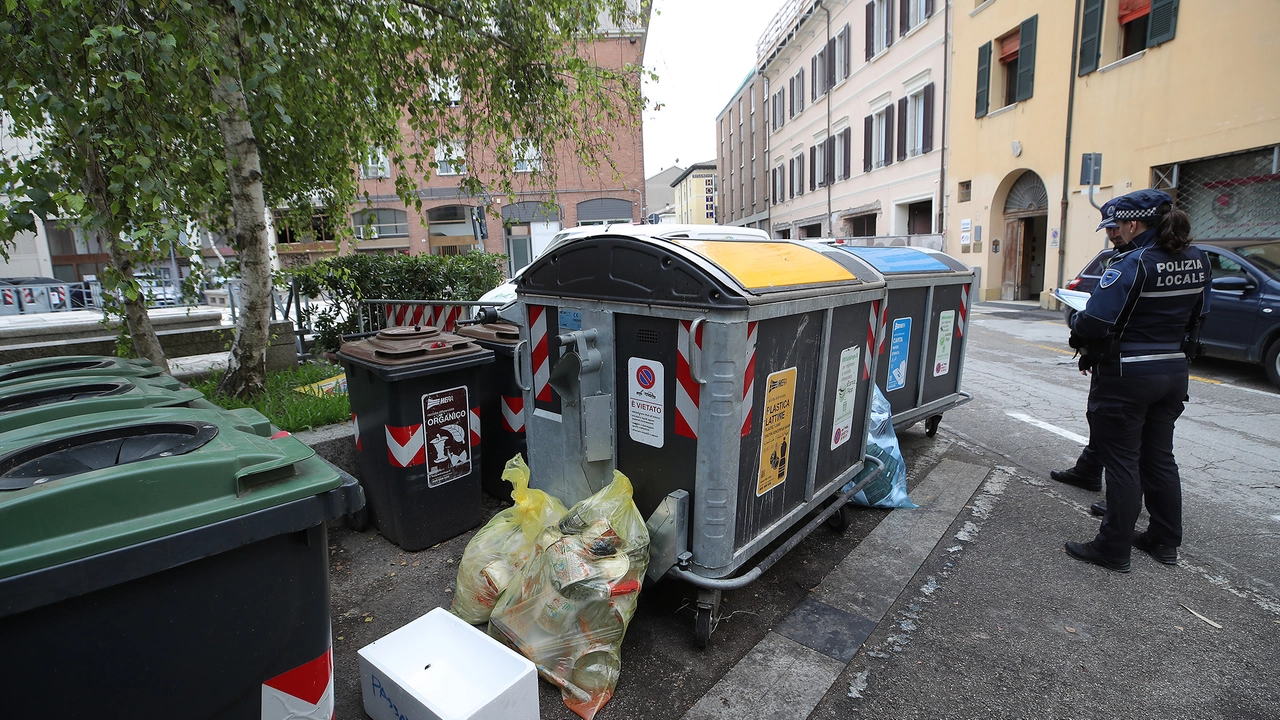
[[791, 188], [926, 142], [831, 63], [800, 90], [871, 30], [984, 79], [847, 39], [902, 129], [888, 22], [791, 90], [800, 174], [1163, 23], [1027, 59], [813, 167], [848, 152], [928, 8], [888, 135], [866, 144], [904, 16], [814, 71], [1090, 36], [829, 164]]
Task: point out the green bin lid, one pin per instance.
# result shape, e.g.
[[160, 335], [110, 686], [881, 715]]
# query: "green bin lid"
[[28, 403], [76, 364], [80, 486]]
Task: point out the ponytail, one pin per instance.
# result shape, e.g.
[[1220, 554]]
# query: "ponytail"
[[1173, 228]]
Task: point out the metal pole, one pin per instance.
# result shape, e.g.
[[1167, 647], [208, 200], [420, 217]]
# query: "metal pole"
[[1066, 152]]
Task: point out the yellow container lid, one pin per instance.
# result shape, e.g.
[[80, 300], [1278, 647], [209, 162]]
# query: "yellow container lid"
[[769, 266]]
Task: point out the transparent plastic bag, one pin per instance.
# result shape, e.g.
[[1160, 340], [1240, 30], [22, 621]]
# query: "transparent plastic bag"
[[889, 488], [570, 606], [503, 545]]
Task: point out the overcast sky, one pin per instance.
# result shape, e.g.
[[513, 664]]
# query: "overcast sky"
[[701, 51]]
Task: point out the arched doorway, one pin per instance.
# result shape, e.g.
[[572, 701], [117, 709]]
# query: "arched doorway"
[[1026, 230]]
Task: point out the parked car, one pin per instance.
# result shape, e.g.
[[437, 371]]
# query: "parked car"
[[1244, 300], [159, 293]]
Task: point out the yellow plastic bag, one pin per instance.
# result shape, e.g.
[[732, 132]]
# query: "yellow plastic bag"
[[503, 545], [569, 608]]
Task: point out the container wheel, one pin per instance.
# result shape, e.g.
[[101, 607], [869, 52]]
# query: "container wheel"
[[931, 425], [358, 520], [841, 518], [702, 628]]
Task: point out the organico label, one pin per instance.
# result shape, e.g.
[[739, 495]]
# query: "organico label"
[[846, 393], [775, 434], [646, 409], [446, 430], [899, 354], [942, 357]]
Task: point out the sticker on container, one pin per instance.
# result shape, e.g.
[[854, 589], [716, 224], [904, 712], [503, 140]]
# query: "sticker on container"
[[775, 434], [846, 393], [899, 354], [570, 319], [942, 358], [646, 409], [446, 429]]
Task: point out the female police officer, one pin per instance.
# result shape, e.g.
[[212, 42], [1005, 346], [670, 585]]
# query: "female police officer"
[[1134, 327]]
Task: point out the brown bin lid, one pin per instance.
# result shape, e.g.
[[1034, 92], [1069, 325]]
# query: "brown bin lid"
[[410, 344], [498, 332]]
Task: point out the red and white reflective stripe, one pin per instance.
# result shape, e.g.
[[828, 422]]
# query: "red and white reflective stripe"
[[512, 414], [884, 320], [28, 295], [473, 419], [400, 315], [9, 297], [445, 317], [540, 353], [871, 338], [303, 693], [964, 310], [355, 429], [406, 446], [749, 380], [687, 391]]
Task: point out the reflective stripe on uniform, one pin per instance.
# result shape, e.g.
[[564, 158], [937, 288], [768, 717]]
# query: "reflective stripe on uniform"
[[1149, 358], [1173, 293]]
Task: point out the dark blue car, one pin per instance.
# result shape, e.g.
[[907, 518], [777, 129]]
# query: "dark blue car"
[[1244, 303]]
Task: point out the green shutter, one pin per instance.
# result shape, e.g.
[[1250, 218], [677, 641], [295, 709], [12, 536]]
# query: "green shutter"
[[1091, 36], [984, 80], [1027, 59], [1163, 22]]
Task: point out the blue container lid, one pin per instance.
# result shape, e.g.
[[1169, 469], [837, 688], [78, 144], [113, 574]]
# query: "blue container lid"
[[899, 260]]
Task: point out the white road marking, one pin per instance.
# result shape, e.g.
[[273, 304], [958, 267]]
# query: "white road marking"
[[1046, 426], [1248, 390]]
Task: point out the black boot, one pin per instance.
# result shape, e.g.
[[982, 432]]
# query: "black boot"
[[1089, 552], [1166, 554], [1099, 508], [1073, 476]]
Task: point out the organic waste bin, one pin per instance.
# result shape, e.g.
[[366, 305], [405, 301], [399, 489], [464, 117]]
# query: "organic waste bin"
[[729, 379], [53, 367], [161, 563], [501, 403], [923, 341], [414, 402]]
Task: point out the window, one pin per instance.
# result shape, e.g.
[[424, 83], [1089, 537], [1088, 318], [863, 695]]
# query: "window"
[[795, 171], [1135, 26], [450, 159], [779, 116], [379, 223], [375, 165], [920, 218], [965, 191], [917, 128], [290, 229], [1015, 80], [862, 226], [818, 165], [796, 86], [526, 156], [878, 140], [879, 26], [841, 56], [841, 150], [446, 91], [915, 12]]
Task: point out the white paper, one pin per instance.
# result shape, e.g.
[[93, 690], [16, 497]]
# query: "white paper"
[[1074, 299]]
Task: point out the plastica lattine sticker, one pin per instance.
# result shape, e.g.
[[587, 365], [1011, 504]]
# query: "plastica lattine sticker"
[[846, 393], [942, 358], [646, 409], [899, 354], [775, 435]]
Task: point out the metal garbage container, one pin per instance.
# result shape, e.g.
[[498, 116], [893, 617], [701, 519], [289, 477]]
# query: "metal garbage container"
[[414, 402], [52, 367], [926, 326], [501, 403], [728, 379], [160, 563]]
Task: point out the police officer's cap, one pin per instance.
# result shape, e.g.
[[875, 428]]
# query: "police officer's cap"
[[1140, 204], [1108, 214]]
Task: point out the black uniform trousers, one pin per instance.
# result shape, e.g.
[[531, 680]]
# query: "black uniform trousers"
[[1089, 463], [1131, 425]]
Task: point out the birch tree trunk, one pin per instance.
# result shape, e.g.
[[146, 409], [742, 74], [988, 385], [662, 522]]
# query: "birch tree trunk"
[[247, 368]]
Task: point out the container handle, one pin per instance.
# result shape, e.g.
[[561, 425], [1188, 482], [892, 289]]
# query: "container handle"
[[695, 369], [515, 359]]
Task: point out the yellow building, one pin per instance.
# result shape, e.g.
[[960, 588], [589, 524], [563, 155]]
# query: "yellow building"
[[1180, 96], [696, 194]]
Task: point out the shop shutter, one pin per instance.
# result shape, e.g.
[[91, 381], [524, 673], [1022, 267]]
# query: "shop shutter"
[[1027, 59], [1163, 23], [1091, 36], [926, 144], [984, 79]]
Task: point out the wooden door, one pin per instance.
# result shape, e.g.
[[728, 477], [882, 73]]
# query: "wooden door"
[[1011, 279]]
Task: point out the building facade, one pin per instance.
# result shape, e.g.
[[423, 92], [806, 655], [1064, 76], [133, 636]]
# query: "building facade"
[[742, 157], [1146, 86], [661, 196], [856, 106], [695, 194]]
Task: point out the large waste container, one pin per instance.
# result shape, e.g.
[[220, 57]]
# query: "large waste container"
[[727, 378], [501, 403], [65, 366], [926, 325], [161, 563], [414, 401], [44, 399]]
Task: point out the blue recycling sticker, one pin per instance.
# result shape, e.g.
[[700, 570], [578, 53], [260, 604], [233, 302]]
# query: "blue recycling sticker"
[[1109, 277], [899, 352]]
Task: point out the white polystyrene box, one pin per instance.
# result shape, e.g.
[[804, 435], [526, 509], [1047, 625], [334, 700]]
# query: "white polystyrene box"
[[440, 668]]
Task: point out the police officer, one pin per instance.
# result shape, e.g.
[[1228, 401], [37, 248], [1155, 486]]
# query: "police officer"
[[1087, 472], [1135, 328]]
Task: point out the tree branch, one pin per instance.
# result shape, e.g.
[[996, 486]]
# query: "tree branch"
[[445, 13]]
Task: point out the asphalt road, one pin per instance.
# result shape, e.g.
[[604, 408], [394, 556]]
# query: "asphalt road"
[[998, 621]]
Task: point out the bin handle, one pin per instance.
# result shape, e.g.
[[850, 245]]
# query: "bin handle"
[[519, 373], [695, 369]]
